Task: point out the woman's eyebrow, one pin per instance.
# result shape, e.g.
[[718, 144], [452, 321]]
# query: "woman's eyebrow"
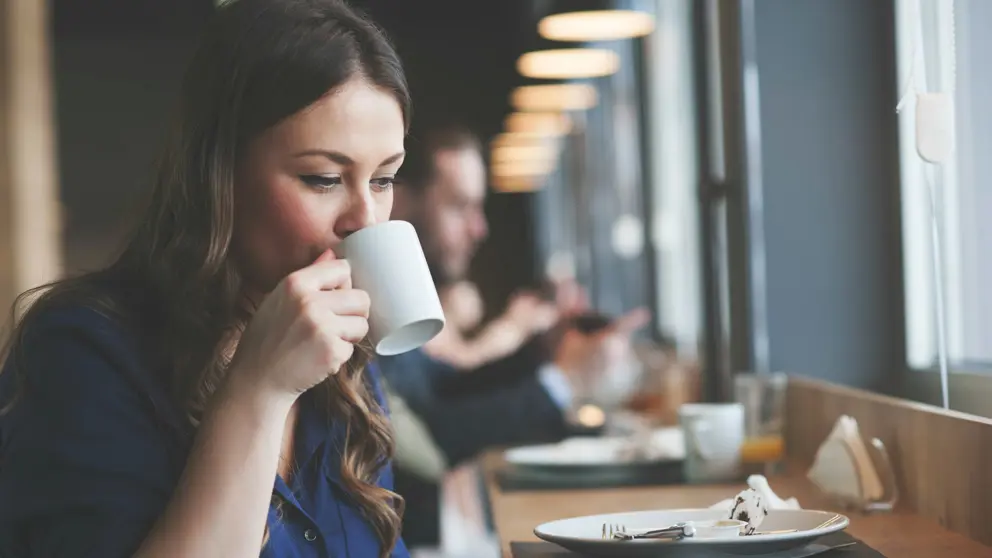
[[342, 159]]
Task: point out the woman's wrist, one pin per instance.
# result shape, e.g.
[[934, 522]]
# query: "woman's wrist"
[[241, 389]]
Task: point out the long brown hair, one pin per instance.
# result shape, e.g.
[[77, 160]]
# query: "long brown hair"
[[259, 62]]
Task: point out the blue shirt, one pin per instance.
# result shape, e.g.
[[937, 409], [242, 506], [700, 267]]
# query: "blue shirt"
[[90, 456]]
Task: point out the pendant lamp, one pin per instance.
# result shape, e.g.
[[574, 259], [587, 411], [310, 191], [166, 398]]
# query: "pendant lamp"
[[593, 20]]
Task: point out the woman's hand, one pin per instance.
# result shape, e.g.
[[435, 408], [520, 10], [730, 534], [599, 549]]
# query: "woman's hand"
[[305, 330]]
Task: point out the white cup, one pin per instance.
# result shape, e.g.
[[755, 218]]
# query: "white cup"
[[387, 261], [714, 433]]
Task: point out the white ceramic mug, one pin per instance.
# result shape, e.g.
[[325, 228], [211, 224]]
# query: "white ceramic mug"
[[714, 433], [387, 261]]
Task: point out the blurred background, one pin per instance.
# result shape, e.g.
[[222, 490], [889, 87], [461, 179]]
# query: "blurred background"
[[739, 167]]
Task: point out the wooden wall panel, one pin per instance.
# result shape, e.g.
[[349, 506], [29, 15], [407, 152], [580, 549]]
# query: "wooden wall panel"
[[30, 220], [942, 459]]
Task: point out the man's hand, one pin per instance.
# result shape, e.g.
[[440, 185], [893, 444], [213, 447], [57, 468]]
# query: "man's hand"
[[530, 314], [585, 357], [570, 298]]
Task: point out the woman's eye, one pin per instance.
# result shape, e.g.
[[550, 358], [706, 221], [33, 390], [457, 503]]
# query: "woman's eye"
[[382, 184], [320, 182]]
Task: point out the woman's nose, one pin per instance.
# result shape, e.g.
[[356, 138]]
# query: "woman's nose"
[[358, 214]]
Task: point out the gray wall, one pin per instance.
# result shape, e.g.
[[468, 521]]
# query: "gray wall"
[[114, 100], [831, 189]]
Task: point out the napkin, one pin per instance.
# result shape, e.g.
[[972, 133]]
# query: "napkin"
[[760, 485], [843, 468]]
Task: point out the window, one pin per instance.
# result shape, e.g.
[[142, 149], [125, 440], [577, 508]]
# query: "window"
[[943, 46], [591, 210], [675, 203]]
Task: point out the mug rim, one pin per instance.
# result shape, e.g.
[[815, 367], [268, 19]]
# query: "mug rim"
[[696, 408]]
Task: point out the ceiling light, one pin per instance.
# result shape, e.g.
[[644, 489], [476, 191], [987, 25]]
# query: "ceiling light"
[[544, 124], [554, 97], [596, 25], [568, 63], [523, 168], [506, 139], [516, 184], [511, 153]]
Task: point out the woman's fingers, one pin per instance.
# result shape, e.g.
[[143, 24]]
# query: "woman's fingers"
[[325, 274], [346, 302], [343, 313], [351, 328]]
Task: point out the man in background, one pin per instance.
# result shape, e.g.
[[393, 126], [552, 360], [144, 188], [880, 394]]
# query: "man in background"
[[523, 398]]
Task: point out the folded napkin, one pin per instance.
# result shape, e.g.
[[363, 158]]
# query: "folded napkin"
[[760, 485], [843, 468]]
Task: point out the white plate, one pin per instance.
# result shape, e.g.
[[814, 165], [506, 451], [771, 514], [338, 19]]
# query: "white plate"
[[665, 444], [583, 534]]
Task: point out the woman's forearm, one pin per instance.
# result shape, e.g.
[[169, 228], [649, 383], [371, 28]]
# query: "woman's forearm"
[[220, 505]]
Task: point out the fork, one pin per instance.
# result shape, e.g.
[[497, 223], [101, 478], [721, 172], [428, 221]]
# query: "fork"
[[824, 525], [836, 518], [675, 532]]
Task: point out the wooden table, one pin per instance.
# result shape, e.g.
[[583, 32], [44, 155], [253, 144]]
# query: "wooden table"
[[897, 535]]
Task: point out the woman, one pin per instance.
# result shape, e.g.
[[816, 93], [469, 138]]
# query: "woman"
[[153, 404]]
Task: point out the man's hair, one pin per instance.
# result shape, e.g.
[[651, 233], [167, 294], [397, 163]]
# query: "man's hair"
[[418, 168]]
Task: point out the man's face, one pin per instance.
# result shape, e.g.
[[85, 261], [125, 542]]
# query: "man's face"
[[452, 220]]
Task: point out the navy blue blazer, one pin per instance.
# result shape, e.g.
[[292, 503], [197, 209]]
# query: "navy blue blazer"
[[90, 456]]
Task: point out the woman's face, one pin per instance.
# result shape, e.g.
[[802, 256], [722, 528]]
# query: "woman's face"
[[313, 179]]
